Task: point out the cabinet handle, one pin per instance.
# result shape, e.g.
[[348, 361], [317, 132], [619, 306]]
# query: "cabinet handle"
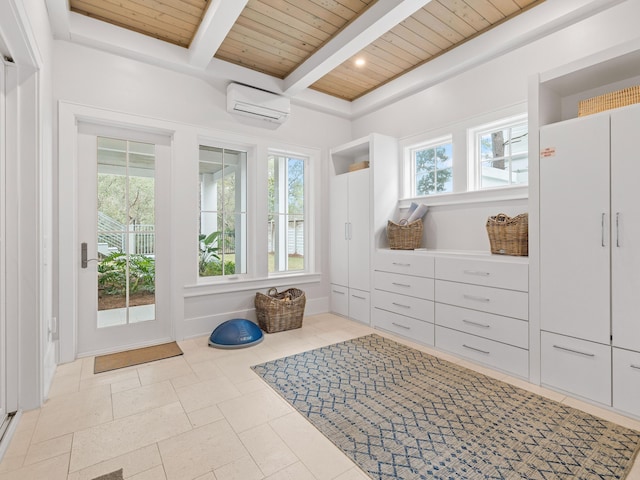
[[338, 292], [617, 229], [477, 299], [477, 272], [574, 351], [476, 323], [400, 326], [475, 349], [346, 231], [400, 305], [401, 264], [637, 367], [602, 228], [358, 297], [400, 284]]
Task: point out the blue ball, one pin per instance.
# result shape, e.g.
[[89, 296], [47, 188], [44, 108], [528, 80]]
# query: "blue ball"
[[236, 333]]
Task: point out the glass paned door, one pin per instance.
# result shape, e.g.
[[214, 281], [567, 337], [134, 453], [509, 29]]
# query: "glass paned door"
[[126, 233], [120, 228]]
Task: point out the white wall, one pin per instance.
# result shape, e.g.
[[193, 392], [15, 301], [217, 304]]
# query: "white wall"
[[498, 84], [195, 107]]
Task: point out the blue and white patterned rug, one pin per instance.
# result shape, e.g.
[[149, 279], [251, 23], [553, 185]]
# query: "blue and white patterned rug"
[[403, 414]]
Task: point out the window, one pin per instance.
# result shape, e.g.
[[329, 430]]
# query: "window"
[[501, 154], [431, 166], [287, 232], [223, 214]]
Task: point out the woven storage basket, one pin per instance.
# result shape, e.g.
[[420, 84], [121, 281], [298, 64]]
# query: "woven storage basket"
[[509, 235], [619, 98], [280, 311], [404, 237]]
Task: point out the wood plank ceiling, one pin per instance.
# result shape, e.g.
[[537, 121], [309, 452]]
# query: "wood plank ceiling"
[[276, 36]]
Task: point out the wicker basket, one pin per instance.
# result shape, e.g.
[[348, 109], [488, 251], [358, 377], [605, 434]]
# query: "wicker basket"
[[404, 237], [280, 311], [619, 98], [509, 235]]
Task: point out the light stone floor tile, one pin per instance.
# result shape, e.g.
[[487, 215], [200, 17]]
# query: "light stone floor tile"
[[201, 450], [73, 412], [120, 436], [132, 463], [156, 473], [242, 469], [143, 398], [297, 471], [268, 450], [51, 469], [254, 409], [48, 449], [317, 452], [207, 393], [212, 394]]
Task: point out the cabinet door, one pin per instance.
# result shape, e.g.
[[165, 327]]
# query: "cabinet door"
[[338, 214], [574, 228], [625, 213], [360, 235]]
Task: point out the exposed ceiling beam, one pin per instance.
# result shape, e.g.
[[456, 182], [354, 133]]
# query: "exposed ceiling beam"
[[58, 11], [369, 26], [218, 20]]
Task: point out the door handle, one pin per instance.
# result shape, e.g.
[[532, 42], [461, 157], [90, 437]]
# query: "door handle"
[[84, 261]]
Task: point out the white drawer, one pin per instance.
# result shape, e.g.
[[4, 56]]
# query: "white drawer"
[[626, 381], [486, 299], [420, 287], [411, 328], [494, 327], [576, 366], [404, 305], [504, 357], [490, 273], [408, 263], [339, 299], [359, 305]]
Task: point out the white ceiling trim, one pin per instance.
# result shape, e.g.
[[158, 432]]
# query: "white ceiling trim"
[[218, 20], [365, 29], [59, 18]]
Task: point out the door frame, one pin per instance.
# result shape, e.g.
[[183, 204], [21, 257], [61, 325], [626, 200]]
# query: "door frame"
[[69, 117]]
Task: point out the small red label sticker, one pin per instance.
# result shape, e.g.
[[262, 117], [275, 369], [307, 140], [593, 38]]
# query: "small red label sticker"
[[548, 152]]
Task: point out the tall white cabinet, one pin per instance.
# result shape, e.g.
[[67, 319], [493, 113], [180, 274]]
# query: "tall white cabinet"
[[360, 202], [585, 220]]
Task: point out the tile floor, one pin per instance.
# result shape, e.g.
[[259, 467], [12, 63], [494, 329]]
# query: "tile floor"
[[201, 416]]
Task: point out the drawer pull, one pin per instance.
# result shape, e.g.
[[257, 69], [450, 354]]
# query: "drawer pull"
[[400, 305], [574, 351], [476, 323], [477, 299], [400, 326], [400, 284], [477, 272], [338, 292], [358, 297], [637, 367], [475, 349], [401, 264]]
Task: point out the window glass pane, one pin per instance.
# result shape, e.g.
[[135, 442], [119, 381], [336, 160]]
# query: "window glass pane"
[[503, 156], [286, 228], [223, 232], [433, 169]]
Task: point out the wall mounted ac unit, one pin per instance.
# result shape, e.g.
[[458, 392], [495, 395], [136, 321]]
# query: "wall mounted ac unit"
[[255, 103]]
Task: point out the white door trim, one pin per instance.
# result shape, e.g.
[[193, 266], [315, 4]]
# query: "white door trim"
[[69, 116]]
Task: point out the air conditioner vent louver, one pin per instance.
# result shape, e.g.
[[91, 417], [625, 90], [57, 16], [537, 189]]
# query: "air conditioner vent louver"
[[251, 102]]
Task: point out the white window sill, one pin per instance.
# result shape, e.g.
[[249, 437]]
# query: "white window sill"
[[472, 197], [246, 284]]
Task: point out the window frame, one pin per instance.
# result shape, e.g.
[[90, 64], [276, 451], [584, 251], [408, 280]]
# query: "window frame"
[[249, 201], [474, 176], [308, 227]]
